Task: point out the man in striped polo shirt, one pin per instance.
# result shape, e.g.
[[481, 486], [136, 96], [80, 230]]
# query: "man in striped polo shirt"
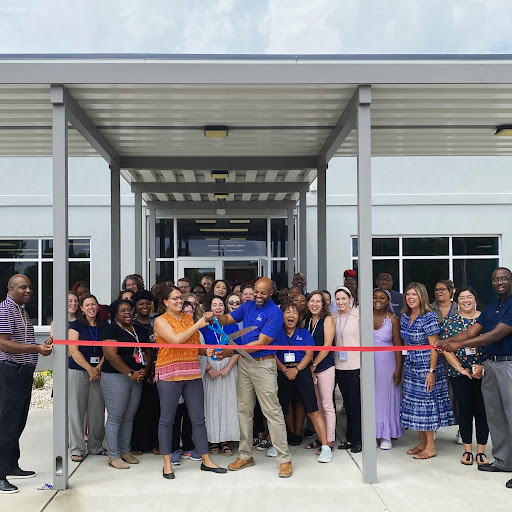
[[18, 359]]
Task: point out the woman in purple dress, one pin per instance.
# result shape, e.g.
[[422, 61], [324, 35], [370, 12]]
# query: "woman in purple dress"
[[388, 369]]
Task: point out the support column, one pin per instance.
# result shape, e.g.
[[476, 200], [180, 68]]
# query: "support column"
[[321, 226], [115, 231], [138, 233], [291, 245], [303, 243], [365, 273], [60, 288], [152, 247]]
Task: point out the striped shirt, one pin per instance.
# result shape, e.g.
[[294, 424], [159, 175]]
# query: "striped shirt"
[[14, 320]]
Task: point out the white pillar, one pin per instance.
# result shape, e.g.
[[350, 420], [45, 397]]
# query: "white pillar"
[[291, 245], [60, 288], [321, 226], [365, 281], [138, 233], [152, 247], [303, 242], [115, 231]]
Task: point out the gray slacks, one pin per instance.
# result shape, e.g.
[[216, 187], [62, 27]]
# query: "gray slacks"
[[122, 397], [85, 396], [497, 393]]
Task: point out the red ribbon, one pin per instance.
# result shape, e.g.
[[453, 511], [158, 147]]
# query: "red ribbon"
[[104, 343]]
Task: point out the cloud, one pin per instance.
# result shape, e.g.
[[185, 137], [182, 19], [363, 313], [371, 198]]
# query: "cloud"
[[393, 26], [255, 26]]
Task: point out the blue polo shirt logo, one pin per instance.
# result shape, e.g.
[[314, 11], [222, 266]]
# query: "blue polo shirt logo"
[[259, 319]]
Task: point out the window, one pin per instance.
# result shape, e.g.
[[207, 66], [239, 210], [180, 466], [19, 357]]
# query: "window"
[[466, 260], [34, 258]]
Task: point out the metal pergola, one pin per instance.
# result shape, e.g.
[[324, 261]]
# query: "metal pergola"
[[287, 117]]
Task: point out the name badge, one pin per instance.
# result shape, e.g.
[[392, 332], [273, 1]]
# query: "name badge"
[[342, 356], [289, 357], [94, 360], [470, 351]]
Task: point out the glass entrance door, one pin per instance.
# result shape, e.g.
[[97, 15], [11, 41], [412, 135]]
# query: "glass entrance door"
[[195, 270]]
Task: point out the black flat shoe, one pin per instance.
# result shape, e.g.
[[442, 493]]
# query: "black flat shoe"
[[508, 485], [168, 476], [345, 446], [213, 470], [19, 473], [7, 488], [490, 468], [356, 448]]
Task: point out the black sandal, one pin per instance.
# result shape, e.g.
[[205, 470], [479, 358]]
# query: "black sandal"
[[468, 460], [226, 450], [480, 459], [315, 444]]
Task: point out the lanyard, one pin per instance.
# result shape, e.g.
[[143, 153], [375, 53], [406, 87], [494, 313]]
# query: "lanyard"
[[290, 338], [23, 319], [312, 331], [133, 334], [95, 335], [343, 328]]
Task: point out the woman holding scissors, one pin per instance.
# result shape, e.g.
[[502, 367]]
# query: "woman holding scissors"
[[219, 382], [178, 374]]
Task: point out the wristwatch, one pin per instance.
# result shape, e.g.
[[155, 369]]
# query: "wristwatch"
[[432, 370], [131, 373]]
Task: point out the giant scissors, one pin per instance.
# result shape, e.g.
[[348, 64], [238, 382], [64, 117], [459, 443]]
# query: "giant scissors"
[[225, 339]]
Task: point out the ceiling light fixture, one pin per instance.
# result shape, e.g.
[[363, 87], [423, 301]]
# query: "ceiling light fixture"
[[205, 221], [220, 211], [239, 221], [224, 230], [220, 175], [504, 130], [216, 132], [221, 195]]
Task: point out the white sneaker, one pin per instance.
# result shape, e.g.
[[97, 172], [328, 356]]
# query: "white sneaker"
[[385, 444], [272, 452], [325, 454], [459, 438]]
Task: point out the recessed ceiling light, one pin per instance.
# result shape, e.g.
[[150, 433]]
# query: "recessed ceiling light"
[[220, 175], [205, 221], [504, 130], [239, 221], [216, 132], [224, 230], [220, 211], [221, 195]]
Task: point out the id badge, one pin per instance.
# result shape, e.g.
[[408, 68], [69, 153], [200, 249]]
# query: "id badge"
[[289, 357], [470, 351], [94, 360], [342, 356], [139, 356]]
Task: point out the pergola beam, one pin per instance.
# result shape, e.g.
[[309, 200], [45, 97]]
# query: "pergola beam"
[[227, 187], [84, 125], [181, 207], [229, 163], [345, 124]]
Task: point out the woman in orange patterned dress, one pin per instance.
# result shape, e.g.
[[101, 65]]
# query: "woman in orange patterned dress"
[[178, 374]]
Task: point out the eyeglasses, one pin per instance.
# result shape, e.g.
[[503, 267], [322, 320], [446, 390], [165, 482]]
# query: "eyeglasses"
[[384, 279], [233, 303], [125, 310], [440, 289], [176, 299], [497, 280], [196, 292]]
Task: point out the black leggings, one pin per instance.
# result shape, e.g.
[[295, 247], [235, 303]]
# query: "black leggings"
[[468, 393], [350, 387]]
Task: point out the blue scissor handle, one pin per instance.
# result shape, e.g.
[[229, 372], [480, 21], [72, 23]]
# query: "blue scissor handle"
[[217, 329]]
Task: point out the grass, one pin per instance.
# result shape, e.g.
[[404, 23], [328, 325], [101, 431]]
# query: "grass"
[[40, 378]]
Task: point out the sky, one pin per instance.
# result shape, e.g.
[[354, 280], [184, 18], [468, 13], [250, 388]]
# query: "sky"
[[256, 26]]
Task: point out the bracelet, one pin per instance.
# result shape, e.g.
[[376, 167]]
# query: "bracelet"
[[228, 366], [313, 364], [297, 368], [208, 369]]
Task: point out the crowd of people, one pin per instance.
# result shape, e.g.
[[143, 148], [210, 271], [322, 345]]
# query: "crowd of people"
[[190, 402]]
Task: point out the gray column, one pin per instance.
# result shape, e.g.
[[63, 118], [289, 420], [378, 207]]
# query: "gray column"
[[321, 226], [303, 242], [138, 233], [365, 273], [60, 288], [152, 247], [291, 245], [115, 231]]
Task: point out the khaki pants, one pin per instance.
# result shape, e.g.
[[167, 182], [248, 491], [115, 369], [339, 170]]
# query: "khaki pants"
[[259, 379]]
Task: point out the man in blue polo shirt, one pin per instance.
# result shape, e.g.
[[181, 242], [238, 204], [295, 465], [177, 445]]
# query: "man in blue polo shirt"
[[493, 331], [259, 377]]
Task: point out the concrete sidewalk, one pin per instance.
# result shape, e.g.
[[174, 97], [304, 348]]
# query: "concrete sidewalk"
[[438, 484]]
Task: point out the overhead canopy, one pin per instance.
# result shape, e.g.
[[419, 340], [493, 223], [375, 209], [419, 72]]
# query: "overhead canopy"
[[283, 113]]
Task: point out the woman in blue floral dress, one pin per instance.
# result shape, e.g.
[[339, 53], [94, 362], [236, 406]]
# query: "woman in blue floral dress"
[[426, 403], [468, 393]]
